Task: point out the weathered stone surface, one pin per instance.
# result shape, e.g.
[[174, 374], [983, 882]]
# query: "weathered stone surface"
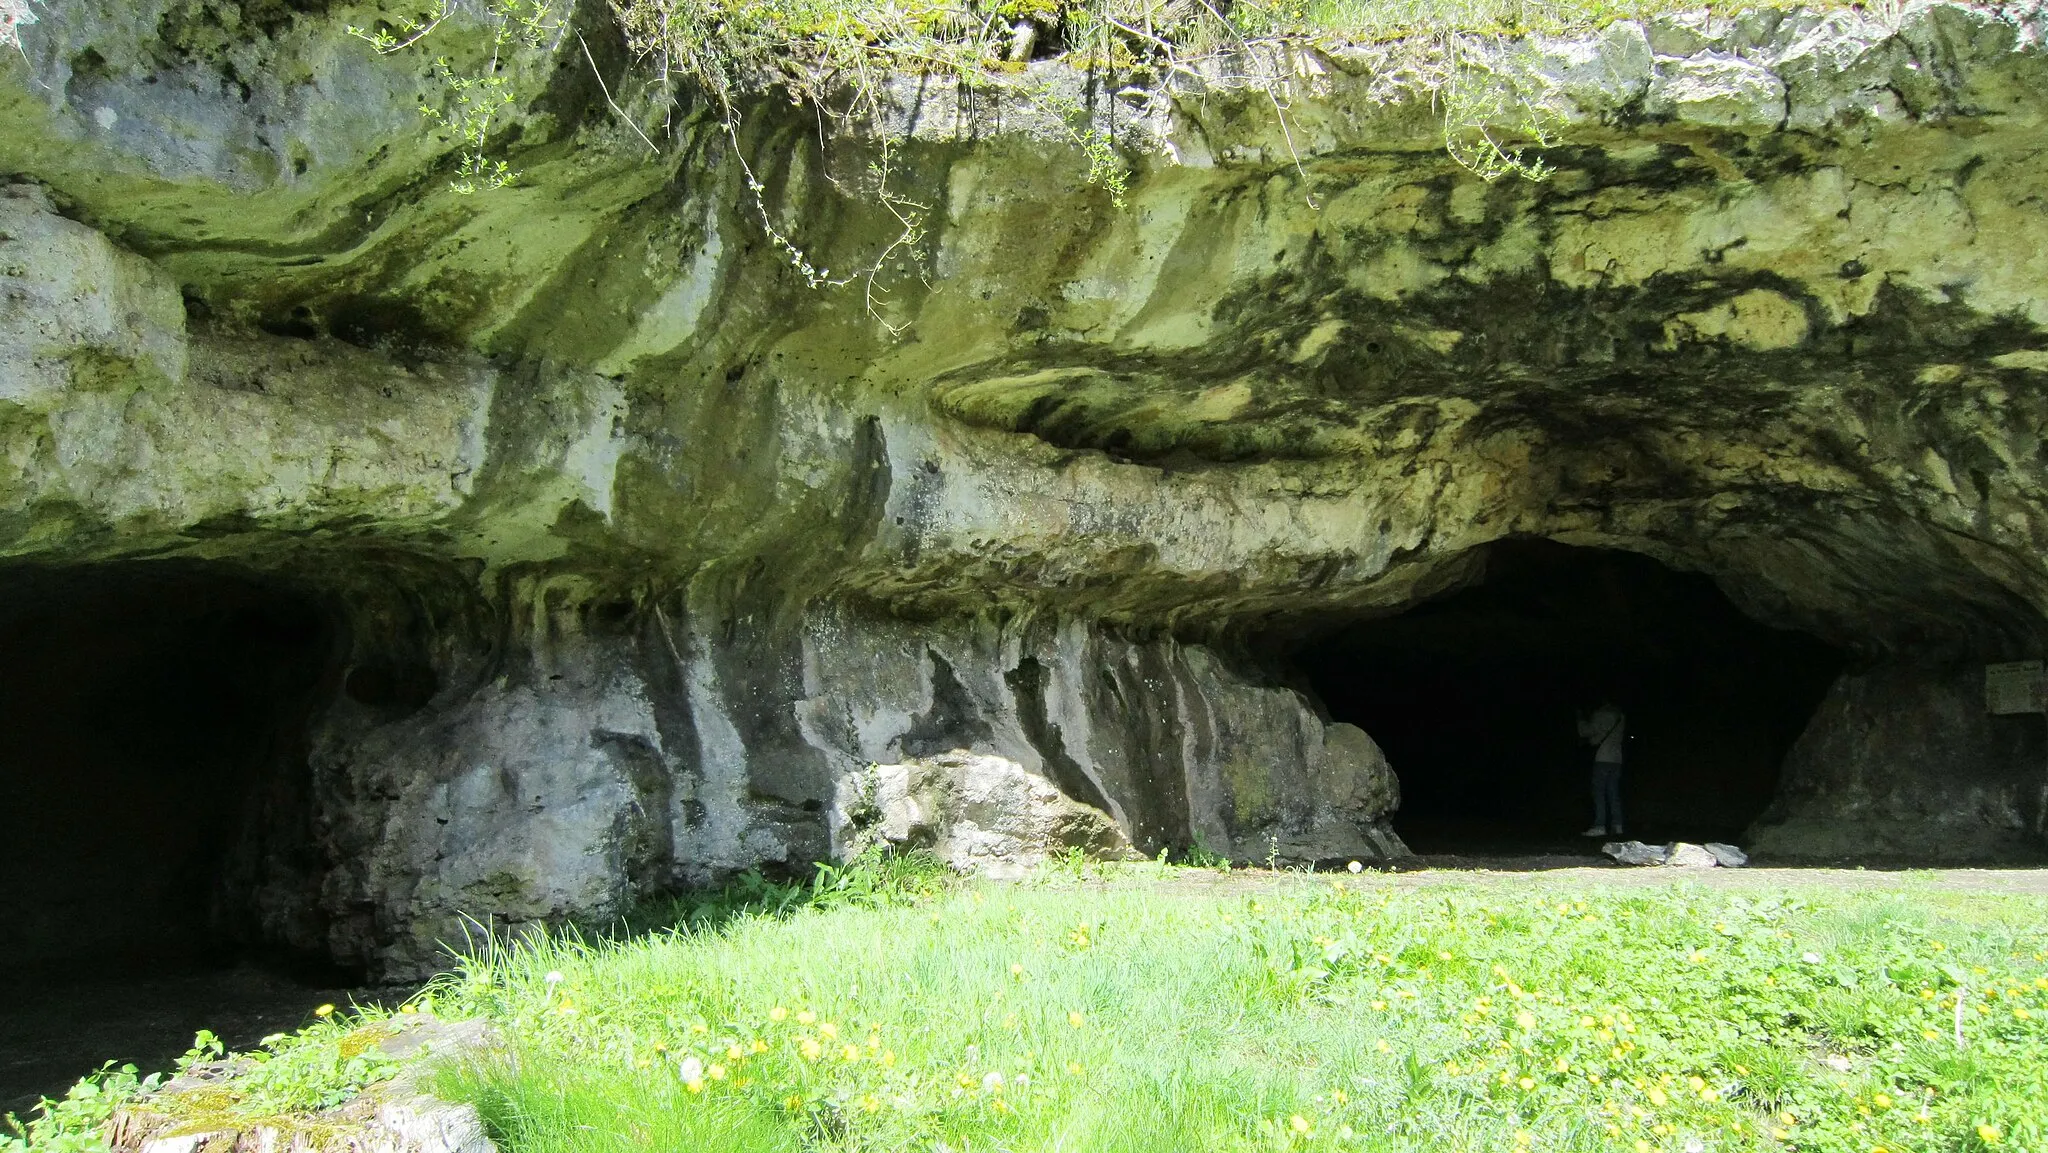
[[1637, 853], [1680, 854], [979, 814], [1727, 856], [640, 549], [1903, 763], [624, 756], [392, 1116], [1720, 92]]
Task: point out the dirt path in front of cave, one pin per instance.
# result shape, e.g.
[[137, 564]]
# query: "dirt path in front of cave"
[[1592, 874]]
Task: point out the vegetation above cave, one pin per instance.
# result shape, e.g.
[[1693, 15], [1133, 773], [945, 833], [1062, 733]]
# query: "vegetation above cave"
[[838, 56]]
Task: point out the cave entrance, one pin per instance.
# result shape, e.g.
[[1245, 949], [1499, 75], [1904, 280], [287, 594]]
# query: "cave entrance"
[[1473, 697], [151, 717]]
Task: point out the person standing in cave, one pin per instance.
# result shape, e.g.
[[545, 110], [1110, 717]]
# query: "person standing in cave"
[[1607, 731]]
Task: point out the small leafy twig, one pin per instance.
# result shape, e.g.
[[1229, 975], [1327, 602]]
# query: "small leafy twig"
[[404, 32]]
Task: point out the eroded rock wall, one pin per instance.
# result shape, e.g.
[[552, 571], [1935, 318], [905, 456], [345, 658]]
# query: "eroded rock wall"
[[1902, 764], [616, 748]]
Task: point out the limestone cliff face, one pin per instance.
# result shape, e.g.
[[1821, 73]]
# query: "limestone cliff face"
[[640, 546]]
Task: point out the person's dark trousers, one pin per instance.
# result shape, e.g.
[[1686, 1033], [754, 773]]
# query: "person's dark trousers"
[[1607, 795]]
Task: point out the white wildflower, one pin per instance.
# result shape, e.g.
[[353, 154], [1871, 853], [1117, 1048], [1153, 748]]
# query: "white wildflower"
[[14, 14]]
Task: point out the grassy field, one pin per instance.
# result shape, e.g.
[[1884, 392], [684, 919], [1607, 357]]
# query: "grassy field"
[[1154, 1013]]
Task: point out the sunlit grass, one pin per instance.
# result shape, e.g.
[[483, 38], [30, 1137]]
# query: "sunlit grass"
[[1150, 1016]]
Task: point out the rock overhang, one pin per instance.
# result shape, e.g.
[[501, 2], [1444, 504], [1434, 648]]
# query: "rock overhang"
[[590, 452]]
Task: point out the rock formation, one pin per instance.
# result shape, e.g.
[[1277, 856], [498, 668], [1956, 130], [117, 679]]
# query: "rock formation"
[[638, 551]]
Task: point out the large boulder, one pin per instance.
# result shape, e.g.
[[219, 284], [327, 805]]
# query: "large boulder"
[[978, 813]]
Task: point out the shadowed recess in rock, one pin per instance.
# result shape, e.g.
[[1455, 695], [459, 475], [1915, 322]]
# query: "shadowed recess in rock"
[[151, 709], [1474, 697]]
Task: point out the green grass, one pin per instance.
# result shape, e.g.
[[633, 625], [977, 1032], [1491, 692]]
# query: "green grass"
[[1161, 1017], [1169, 1011]]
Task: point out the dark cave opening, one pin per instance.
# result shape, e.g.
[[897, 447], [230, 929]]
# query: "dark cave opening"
[[1474, 698], [148, 707], [153, 736]]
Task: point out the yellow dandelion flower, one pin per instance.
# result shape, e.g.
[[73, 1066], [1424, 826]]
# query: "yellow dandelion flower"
[[1379, 1006], [1074, 1068], [777, 1014], [1298, 1123], [888, 1058], [1076, 1019], [1016, 970], [829, 1031], [1657, 1096], [871, 1103], [1881, 1100], [806, 1017], [716, 1072], [1989, 1134], [759, 1046], [1382, 1045], [849, 1053], [323, 1011], [1527, 1083], [1525, 1019], [810, 1048], [1563, 1065]]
